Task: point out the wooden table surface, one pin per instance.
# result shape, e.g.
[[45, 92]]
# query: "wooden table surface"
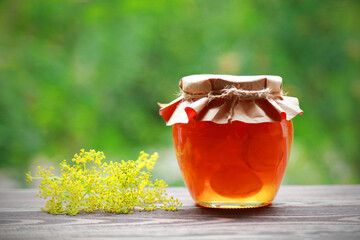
[[298, 212]]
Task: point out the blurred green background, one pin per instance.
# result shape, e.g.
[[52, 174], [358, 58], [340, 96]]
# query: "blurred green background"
[[88, 74]]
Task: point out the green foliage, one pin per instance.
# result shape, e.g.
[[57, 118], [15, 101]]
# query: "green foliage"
[[115, 187], [89, 73]]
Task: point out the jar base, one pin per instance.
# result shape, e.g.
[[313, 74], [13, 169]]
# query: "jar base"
[[232, 205]]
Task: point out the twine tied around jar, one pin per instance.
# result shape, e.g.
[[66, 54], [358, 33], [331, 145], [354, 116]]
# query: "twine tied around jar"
[[233, 93]]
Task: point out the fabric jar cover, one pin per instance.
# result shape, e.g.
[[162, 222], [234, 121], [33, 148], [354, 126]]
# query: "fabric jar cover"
[[225, 98]]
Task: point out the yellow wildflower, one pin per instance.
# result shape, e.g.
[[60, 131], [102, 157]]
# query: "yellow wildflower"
[[114, 187]]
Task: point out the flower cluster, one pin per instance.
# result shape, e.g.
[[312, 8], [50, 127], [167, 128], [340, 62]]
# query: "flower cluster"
[[89, 185]]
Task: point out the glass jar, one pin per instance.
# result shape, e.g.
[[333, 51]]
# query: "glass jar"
[[233, 165], [226, 162]]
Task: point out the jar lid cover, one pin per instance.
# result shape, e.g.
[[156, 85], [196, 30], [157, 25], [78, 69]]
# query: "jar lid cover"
[[205, 83], [226, 98]]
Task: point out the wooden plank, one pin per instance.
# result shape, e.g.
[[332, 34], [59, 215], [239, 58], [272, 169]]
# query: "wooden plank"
[[298, 212]]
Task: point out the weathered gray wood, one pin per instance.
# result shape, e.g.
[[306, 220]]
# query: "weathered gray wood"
[[298, 212]]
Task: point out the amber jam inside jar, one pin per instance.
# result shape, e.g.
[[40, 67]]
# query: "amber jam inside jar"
[[234, 165]]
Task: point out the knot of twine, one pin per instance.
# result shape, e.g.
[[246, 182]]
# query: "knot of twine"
[[233, 92]]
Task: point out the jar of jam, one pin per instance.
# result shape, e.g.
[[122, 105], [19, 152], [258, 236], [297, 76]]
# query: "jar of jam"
[[232, 137]]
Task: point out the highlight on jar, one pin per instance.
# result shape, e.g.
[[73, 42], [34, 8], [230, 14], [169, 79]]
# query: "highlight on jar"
[[232, 137]]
